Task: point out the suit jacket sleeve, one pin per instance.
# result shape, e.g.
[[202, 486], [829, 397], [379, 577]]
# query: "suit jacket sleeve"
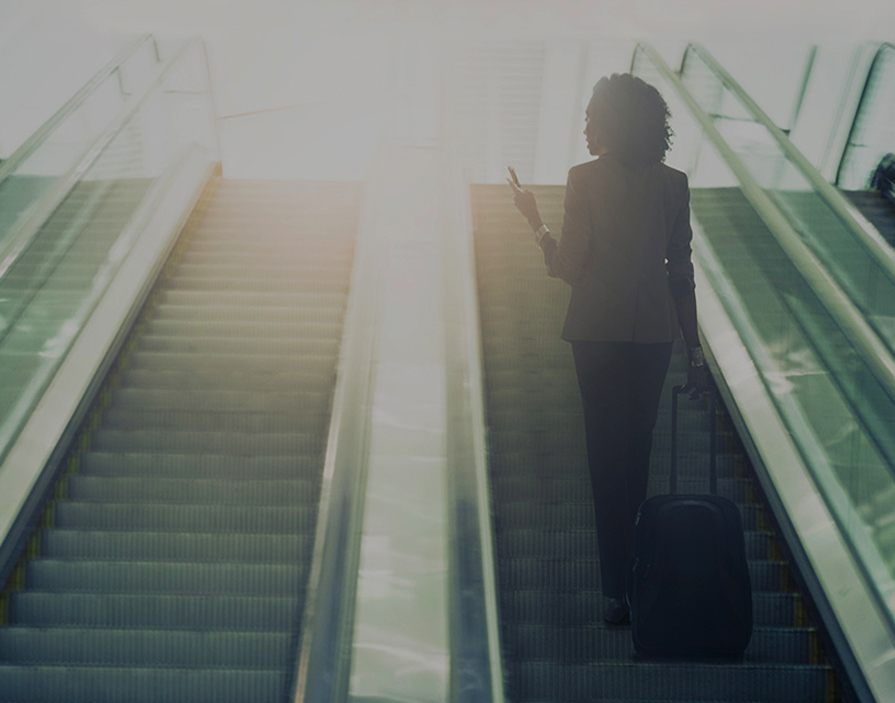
[[566, 258], [678, 262]]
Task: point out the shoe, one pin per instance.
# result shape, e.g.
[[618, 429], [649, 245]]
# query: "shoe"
[[615, 611]]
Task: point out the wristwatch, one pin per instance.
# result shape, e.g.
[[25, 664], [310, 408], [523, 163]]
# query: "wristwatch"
[[541, 233]]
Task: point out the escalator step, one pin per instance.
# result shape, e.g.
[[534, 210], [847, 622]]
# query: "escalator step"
[[690, 682], [596, 642], [81, 684], [165, 612], [205, 466], [221, 400], [585, 608], [202, 379], [553, 573], [534, 543], [145, 648], [217, 491], [205, 421], [234, 443], [175, 546], [142, 577], [265, 329], [231, 346], [195, 314], [329, 284], [178, 518], [232, 363], [226, 298]]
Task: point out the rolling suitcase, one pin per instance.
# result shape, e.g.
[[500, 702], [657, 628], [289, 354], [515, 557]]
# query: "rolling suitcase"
[[689, 588]]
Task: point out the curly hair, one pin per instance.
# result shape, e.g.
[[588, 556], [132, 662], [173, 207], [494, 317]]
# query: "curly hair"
[[630, 118]]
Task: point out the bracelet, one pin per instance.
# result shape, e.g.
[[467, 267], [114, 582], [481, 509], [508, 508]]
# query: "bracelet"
[[697, 356], [541, 233]]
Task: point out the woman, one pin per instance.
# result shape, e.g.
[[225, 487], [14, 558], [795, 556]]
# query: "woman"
[[625, 251]]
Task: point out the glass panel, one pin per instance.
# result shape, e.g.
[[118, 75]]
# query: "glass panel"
[[873, 135], [50, 291], [68, 141], [835, 410], [855, 268]]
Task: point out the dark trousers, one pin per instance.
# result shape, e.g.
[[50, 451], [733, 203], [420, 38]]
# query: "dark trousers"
[[620, 385]]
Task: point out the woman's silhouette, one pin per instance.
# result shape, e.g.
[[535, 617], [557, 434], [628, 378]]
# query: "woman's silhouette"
[[625, 251]]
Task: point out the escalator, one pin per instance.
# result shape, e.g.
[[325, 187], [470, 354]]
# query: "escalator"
[[798, 312], [169, 343], [174, 563], [556, 646], [173, 560]]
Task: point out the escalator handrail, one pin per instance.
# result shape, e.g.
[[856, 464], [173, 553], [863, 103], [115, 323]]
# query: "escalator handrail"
[[865, 233], [37, 138], [322, 660], [476, 664], [16, 244], [877, 56], [834, 299]]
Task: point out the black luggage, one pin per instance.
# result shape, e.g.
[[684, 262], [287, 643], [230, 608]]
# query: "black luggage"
[[689, 588]]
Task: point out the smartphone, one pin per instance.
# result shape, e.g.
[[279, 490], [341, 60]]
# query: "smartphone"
[[514, 180]]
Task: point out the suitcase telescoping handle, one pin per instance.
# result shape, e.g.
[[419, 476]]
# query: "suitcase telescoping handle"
[[713, 450]]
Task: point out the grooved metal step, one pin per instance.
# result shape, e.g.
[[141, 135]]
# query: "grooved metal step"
[[83, 684], [236, 579], [166, 612], [132, 545]]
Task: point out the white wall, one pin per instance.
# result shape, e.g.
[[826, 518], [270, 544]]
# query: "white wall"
[[47, 52]]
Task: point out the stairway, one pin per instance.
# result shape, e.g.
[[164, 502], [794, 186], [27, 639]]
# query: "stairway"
[[174, 566], [556, 647]]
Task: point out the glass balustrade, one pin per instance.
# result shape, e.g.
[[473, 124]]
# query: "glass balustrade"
[[33, 169], [867, 279], [49, 291], [832, 404], [873, 133]]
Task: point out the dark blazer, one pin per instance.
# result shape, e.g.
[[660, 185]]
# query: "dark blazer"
[[625, 245]]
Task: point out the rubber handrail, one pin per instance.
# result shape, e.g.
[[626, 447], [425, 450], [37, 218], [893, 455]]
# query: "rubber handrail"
[[38, 137], [321, 665], [877, 57], [867, 235], [468, 465], [837, 303]]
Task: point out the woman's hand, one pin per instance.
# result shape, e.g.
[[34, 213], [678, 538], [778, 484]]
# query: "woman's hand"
[[525, 202]]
